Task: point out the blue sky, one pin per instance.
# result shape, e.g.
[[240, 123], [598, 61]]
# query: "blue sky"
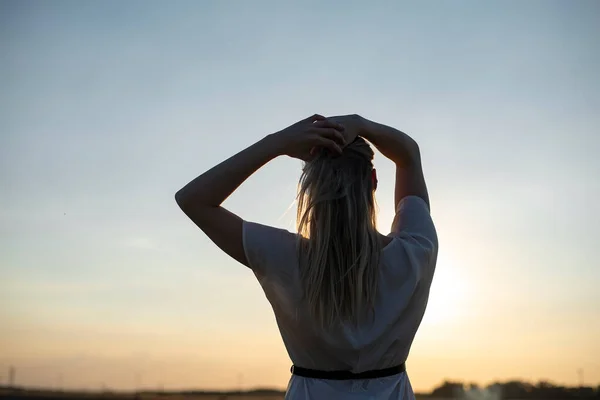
[[107, 108]]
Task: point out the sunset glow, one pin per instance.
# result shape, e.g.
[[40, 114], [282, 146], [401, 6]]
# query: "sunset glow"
[[108, 108]]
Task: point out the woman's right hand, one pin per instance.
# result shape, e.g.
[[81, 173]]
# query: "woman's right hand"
[[299, 139]]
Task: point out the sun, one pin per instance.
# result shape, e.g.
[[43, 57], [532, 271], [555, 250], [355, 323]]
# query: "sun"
[[451, 289], [448, 295]]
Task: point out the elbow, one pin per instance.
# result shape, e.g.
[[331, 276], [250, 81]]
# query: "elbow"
[[187, 205], [190, 203], [414, 153], [180, 199], [414, 148], [410, 155]]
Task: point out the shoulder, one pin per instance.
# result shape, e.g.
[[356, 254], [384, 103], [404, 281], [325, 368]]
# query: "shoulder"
[[415, 244], [413, 222], [268, 248]]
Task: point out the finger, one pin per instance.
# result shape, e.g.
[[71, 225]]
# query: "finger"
[[315, 117], [332, 134], [330, 144], [327, 123]]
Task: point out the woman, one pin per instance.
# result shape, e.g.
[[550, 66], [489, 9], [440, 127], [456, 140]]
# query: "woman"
[[347, 299]]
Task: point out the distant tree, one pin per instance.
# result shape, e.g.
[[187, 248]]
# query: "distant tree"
[[515, 390], [495, 387], [449, 390], [545, 385]]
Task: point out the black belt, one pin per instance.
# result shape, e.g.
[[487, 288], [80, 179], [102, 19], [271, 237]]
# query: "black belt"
[[347, 375]]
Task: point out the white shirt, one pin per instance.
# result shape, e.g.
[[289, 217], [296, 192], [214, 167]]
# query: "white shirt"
[[407, 265]]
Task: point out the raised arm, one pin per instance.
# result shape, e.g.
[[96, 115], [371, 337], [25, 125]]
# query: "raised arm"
[[395, 145], [404, 152], [201, 199]]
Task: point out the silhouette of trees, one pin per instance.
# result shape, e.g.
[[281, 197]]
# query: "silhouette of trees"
[[514, 390], [453, 390]]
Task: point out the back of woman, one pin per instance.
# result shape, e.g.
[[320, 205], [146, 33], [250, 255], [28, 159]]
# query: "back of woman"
[[348, 300]]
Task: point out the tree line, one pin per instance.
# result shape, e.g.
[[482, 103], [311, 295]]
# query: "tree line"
[[512, 390]]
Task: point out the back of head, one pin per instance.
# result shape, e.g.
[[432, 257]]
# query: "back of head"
[[339, 245]]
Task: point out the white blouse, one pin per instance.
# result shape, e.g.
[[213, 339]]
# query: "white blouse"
[[407, 265]]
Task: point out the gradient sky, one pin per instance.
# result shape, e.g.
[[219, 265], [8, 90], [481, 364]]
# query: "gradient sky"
[[107, 108]]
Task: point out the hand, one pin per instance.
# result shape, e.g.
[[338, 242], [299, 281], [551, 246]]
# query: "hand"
[[353, 126], [300, 139]]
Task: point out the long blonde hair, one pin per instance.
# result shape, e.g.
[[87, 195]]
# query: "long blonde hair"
[[338, 244]]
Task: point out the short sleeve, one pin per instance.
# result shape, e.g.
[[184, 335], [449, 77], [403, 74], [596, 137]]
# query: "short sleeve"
[[413, 217], [414, 226], [268, 250]]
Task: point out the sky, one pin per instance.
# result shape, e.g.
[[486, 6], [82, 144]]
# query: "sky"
[[108, 108]]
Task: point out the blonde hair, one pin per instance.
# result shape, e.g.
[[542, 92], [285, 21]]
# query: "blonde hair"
[[338, 244]]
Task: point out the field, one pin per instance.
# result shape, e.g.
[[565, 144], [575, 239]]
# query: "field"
[[27, 394]]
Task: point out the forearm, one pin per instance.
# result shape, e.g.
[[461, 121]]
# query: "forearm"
[[215, 185], [405, 153], [392, 143]]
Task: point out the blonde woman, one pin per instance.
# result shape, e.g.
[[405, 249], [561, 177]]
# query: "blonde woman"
[[348, 300]]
